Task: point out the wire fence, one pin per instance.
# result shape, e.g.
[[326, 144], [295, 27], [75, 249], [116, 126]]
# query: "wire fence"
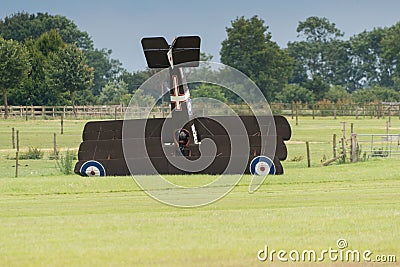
[[379, 145]]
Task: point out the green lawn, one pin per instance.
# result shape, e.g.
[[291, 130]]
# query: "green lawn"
[[48, 219]]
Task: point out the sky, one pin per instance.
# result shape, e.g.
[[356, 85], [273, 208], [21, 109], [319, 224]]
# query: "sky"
[[120, 25]]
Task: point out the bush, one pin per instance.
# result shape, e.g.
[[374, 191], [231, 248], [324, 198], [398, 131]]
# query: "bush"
[[66, 162], [33, 153], [294, 92], [336, 93], [375, 93]]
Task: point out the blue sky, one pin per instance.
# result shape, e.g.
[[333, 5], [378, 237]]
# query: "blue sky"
[[120, 25]]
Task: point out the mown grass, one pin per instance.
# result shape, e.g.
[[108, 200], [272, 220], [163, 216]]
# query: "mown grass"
[[49, 219]]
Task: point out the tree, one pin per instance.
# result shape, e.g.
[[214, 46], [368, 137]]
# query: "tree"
[[319, 52], [22, 26], [391, 53], [113, 93], [105, 68], [249, 49], [375, 93], [68, 71], [129, 79], [320, 30], [205, 56], [295, 92], [318, 86], [136, 79], [37, 89], [26, 27], [368, 68], [209, 91], [336, 92], [14, 67], [141, 99]]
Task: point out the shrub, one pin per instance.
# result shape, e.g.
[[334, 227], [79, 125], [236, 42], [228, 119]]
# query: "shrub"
[[33, 153], [66, 162]]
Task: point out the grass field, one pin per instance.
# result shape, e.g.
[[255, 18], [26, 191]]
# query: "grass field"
[[49, 219]]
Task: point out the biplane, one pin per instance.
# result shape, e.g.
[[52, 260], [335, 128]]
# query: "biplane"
[[107, 149]]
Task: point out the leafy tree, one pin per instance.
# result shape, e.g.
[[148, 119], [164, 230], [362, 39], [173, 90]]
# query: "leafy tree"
[[112, 93], [129, 79], [375, 93], [340, 64], [140, 99], [14, 67], [391, 53], [37, 89], [209, 91], [100, 61], [27, 27], [320, 30], [318, 86], [336, 92], [319, 52], [205, 56], [68, 71], [136, 79], [295, 92], [105, 68], [368, 68], [22, 26], [249, 49], [85, 97]]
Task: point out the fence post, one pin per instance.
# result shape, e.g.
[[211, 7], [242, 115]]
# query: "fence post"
[[364, 111], [292, 110], [297, 115], [344, 150], [308, 154], [399, 112], [334, 145], [55, 146], [17, 140], [17, 155], [313, 112], [344, 130], [353, 148], [62, 123], [13, 137], [387, 130], [351, 142]]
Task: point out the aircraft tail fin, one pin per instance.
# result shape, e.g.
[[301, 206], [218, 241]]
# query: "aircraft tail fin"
[[183, 49]]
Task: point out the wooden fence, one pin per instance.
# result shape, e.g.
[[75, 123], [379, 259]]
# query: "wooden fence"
[[372, 110], [325, 109], [80, 112]]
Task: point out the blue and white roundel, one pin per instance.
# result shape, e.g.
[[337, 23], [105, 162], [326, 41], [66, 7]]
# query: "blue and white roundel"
[[92, 168], [262, 165]]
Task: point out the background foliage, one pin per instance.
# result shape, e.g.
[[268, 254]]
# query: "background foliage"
[[319, 64]]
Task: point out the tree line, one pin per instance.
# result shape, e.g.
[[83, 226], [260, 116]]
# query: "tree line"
[[320, 64], [46, 60]]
